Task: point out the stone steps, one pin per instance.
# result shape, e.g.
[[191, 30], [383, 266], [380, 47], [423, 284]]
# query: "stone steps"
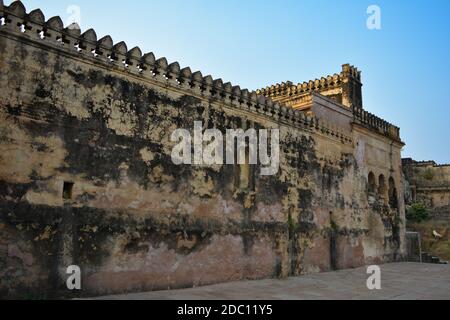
[[427, 258]]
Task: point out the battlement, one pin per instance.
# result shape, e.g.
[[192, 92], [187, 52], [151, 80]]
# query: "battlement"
[[71, 41], [344, 88], [325, 83], [427, 163], [365, 118], [349, 71]]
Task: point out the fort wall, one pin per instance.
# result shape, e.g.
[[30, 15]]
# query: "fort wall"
[[429, 183], [86, 176]]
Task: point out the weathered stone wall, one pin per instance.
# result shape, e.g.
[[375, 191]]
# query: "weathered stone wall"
[[429, 183], [86, 176]]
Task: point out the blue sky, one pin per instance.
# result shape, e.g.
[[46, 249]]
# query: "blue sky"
[[405, 65]]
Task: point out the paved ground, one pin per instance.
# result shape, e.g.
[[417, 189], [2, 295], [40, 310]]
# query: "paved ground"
[[410, 281]]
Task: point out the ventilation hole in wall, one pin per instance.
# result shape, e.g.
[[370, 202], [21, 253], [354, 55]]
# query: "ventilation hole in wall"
[[139, 68], [110, 58], [125, 63], [41, 34], [94, 53], [67, 190], [2, 21], [22, 27], [77, 46]]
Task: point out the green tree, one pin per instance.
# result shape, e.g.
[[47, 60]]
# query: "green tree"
[[418, 212]]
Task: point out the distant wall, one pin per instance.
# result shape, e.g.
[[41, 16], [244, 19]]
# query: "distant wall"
[[429, 183]]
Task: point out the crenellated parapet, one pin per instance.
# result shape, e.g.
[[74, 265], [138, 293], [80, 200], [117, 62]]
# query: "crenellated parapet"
[[33, 27], [428, 163], [370, 120], [285, 89], [345, 87]]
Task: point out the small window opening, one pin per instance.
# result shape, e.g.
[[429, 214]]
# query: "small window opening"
[[22, 28], [393, 200], [382, 190], [78, 48], [67, 190], [372, 183]]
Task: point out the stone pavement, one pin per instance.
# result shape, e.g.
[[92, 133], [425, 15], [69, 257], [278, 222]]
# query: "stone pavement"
[[411, 281]]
